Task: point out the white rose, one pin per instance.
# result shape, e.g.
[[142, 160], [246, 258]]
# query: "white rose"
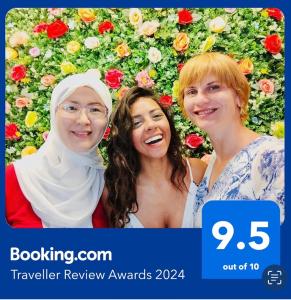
[[148, 28], [154, 55], [91, 42], [135, 16]]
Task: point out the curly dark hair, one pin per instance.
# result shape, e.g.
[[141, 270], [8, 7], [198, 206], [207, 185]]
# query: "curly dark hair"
[[124, 163]]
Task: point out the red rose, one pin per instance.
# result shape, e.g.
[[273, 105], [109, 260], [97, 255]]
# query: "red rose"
[[273, 43], [113, 78], [41, 27], [185, 17], [105, 26], [193, 140], [11, 132], [180, 66], [106, 134], [166, 100], [57, 29], [18, 72], [275, 13]]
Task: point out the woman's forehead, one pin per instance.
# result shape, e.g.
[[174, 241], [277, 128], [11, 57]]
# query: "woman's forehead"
[[84, 94]]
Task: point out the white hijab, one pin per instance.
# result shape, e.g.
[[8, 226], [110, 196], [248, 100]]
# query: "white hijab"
[[63, 186]]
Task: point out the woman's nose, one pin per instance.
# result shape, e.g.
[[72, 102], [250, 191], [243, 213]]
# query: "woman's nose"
[[201, 97], [150, 124], [83, 117]]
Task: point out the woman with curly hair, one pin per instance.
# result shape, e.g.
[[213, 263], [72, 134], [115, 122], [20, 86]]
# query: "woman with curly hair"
[[149, 183]]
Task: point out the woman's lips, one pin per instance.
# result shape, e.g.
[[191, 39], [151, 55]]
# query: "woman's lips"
[[81, 134], [205, 112]]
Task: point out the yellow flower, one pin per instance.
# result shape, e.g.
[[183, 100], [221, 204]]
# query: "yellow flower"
[[86, 14], [217, 25], [122, 50], [152, 73], [264, 71], [31, 118], [278, 129], [28, 150], [10, 53], [208, 43], [181, 42], [67, 68], [264, 13], [25, 80], [73, 47], [175, 89]]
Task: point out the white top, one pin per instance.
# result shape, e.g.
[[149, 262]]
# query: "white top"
[[188, 221]]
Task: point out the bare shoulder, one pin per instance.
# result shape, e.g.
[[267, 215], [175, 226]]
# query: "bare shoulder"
[[198, 168]]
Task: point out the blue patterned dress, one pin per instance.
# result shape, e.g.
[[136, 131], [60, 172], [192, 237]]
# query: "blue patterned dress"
[[256, 172]]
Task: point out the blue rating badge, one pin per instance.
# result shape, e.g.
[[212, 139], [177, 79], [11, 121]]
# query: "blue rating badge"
[[240, 239]]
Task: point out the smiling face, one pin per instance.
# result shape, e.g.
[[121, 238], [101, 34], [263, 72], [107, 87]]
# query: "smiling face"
[[211, 105], [81, 119], [151, 132]]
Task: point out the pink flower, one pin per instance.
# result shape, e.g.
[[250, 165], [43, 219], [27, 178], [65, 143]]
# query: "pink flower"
[[34, 52], [166, 101], [55, 11], [113, 78], [267, 86], [48, 80], [193, 140], [22, 102], [7, 107], [45, 135], [143, 79]]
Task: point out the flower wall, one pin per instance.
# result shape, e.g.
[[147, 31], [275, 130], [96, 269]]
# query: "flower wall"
[[145, 47]]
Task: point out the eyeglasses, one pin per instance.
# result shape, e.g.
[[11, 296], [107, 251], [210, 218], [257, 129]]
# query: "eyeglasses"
[[94, 111]]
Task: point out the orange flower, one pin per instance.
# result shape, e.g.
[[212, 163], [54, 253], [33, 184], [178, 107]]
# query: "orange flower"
[[246, 66], [121, 93], [181, 42], [86, 14], [122, 50]]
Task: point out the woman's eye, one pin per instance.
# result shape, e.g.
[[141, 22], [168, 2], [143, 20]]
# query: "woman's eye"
[[191, 92], [214, 87], [94, 109], [157, 116], [70, 108], [136, 124]]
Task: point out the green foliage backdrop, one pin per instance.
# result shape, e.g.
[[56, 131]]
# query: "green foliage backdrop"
[[43, 46]]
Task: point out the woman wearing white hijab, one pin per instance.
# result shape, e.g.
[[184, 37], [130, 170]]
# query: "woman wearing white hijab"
[[61, 184]]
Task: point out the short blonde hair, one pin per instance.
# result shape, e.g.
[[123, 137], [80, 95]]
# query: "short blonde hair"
[[224, 68]]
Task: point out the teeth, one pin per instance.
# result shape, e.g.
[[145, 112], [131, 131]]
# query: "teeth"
[[154, 138], [205, 112], [81, 133]]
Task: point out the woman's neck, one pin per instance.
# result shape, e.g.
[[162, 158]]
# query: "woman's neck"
[[229, 143], [155, 169]]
